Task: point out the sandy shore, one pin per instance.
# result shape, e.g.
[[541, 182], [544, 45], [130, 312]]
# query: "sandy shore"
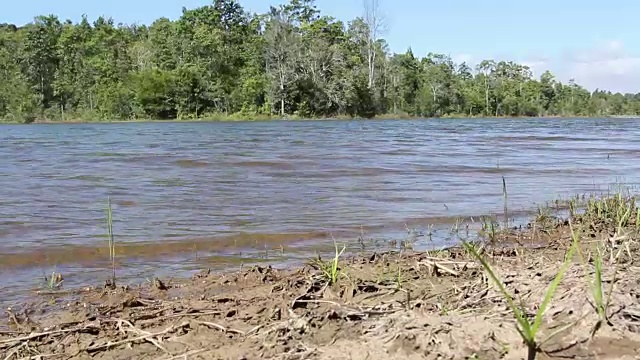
[[394, 305]]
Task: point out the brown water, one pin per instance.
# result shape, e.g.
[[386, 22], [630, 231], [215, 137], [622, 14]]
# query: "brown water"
[[194, 195]]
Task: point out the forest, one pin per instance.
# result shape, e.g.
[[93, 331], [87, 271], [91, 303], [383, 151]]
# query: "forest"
[[221, 62]]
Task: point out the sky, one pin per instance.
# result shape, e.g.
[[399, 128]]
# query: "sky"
[[591, 41]]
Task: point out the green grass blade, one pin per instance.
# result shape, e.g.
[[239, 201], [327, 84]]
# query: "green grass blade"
[[525, 328], [504, 194], [110, 226], [554, 285], [331, 271], [112, 245], [597, 284], [334, 266]]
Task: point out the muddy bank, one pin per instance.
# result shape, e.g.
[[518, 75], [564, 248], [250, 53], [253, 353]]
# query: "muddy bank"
[[391, 305]]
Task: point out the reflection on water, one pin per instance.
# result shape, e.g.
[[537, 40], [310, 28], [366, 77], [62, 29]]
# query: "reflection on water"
[[221, 189]]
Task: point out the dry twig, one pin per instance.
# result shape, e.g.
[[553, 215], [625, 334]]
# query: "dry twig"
[[143, 337]]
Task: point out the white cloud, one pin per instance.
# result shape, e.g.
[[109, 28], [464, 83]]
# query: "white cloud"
[[607, 66]]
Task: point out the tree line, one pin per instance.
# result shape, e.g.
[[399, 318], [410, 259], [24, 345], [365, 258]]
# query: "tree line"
[[221, 61]]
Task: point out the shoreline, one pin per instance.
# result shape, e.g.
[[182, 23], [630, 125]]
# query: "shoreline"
[[440, 304], [230, 119], [182, 257]]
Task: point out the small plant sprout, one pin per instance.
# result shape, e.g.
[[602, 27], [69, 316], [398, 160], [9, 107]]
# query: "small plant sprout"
[[489, 230], [112, 244], [572, 208], [399, 278], [504, 195], [331, 270], [54, 282], [528, 331], [455, 229]]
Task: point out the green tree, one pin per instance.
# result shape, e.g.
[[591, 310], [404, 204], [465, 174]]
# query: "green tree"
[[218, 60]]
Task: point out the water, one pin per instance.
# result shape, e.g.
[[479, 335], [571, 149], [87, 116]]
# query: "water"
[[194, 195]]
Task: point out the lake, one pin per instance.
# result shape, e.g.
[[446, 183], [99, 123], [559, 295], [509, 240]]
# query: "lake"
[[188, 196]]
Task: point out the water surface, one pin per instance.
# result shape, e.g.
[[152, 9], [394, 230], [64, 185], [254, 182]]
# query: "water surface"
[[192, 195]]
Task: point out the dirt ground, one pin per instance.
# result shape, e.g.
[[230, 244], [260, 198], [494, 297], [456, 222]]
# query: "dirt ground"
[[393, 305]]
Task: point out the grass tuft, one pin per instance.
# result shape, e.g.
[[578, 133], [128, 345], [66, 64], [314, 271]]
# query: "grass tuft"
[[331, 270], [54, 282]]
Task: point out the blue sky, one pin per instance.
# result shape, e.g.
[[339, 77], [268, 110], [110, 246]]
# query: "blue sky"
[[594, 42]]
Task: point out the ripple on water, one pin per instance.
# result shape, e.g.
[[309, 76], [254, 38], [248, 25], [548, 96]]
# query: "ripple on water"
[[276, 165], [188, 163], [174, 185], [171, 182]]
